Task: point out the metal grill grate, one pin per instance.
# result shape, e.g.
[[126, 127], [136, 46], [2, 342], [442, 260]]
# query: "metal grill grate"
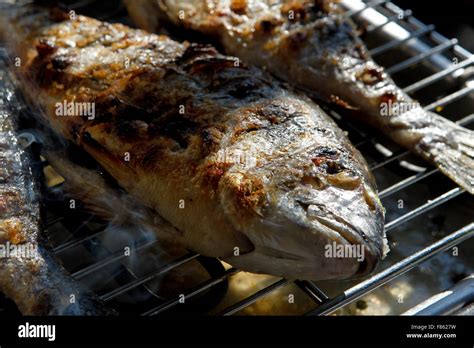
[[434, 46]]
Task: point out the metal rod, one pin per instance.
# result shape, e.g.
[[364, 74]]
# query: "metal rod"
[[201, 288], [75, 242], [370, 4], [450, 98], [367, 286], [253, 298], [392, 19], [142, 280], [405, 183], [416, 59], [76, 5], [448, 301], [395, 43], [54, 220], [312, 290], [119, 255], [438, 76], [424, 208], [465, 311]]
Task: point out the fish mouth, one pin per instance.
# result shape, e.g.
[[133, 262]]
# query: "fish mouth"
[[304, 254], [280, 254], [356, 237]]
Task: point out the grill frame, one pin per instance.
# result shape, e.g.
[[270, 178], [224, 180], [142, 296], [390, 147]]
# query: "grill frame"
[[324, 303]]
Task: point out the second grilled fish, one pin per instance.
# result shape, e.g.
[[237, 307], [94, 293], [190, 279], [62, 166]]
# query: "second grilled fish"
[[30, 274], [313, 46], [246, 170]]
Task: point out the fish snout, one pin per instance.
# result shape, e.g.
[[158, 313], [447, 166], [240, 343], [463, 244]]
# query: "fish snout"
[[357, 218], [306, 235]]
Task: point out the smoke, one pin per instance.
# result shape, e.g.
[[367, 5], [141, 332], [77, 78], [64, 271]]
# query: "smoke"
[[136, 238]]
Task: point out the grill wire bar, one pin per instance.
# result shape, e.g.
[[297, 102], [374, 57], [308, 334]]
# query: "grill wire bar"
[[324, 304], [396, 43], [394, 271], [391, 19]]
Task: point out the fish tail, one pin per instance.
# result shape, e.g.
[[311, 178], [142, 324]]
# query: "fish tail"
[[452, 153]]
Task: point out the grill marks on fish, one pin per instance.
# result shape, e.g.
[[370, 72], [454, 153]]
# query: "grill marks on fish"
[[186, 115], [205, 76], [313, 46]]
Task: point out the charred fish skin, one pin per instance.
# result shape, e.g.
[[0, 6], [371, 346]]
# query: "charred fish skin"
[[246, 170], [29, 272], [311, 45]]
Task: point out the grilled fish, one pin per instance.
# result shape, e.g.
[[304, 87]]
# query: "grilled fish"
[[30, 274], [312, 45], [246, 170]]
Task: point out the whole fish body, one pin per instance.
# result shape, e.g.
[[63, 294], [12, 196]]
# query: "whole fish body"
[[312, 45], [30, 274], [245, 170]]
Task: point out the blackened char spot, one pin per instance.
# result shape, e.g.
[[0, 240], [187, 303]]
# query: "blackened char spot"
[[333, 167], [328, 159], [127, 129], [151, 157], [87, 137], [136, 113], [242, 88], [60, 62], [44, 74], [275, 113], [266, 26], [296, 40], [176, 127], [194, 51], [45, 47], [388, 97], [327, 152], [370, 76], [303, 205], [111, 105], [210, 65], [209, 140], [206, 137]]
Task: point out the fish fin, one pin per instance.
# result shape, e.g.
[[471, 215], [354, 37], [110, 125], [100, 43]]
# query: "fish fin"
[[110, 203], [453, 153], [88, 186]]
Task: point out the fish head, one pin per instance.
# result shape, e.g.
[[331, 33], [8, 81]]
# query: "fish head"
[[310, 217]]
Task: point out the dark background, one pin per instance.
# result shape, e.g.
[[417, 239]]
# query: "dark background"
[[453, 19]]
